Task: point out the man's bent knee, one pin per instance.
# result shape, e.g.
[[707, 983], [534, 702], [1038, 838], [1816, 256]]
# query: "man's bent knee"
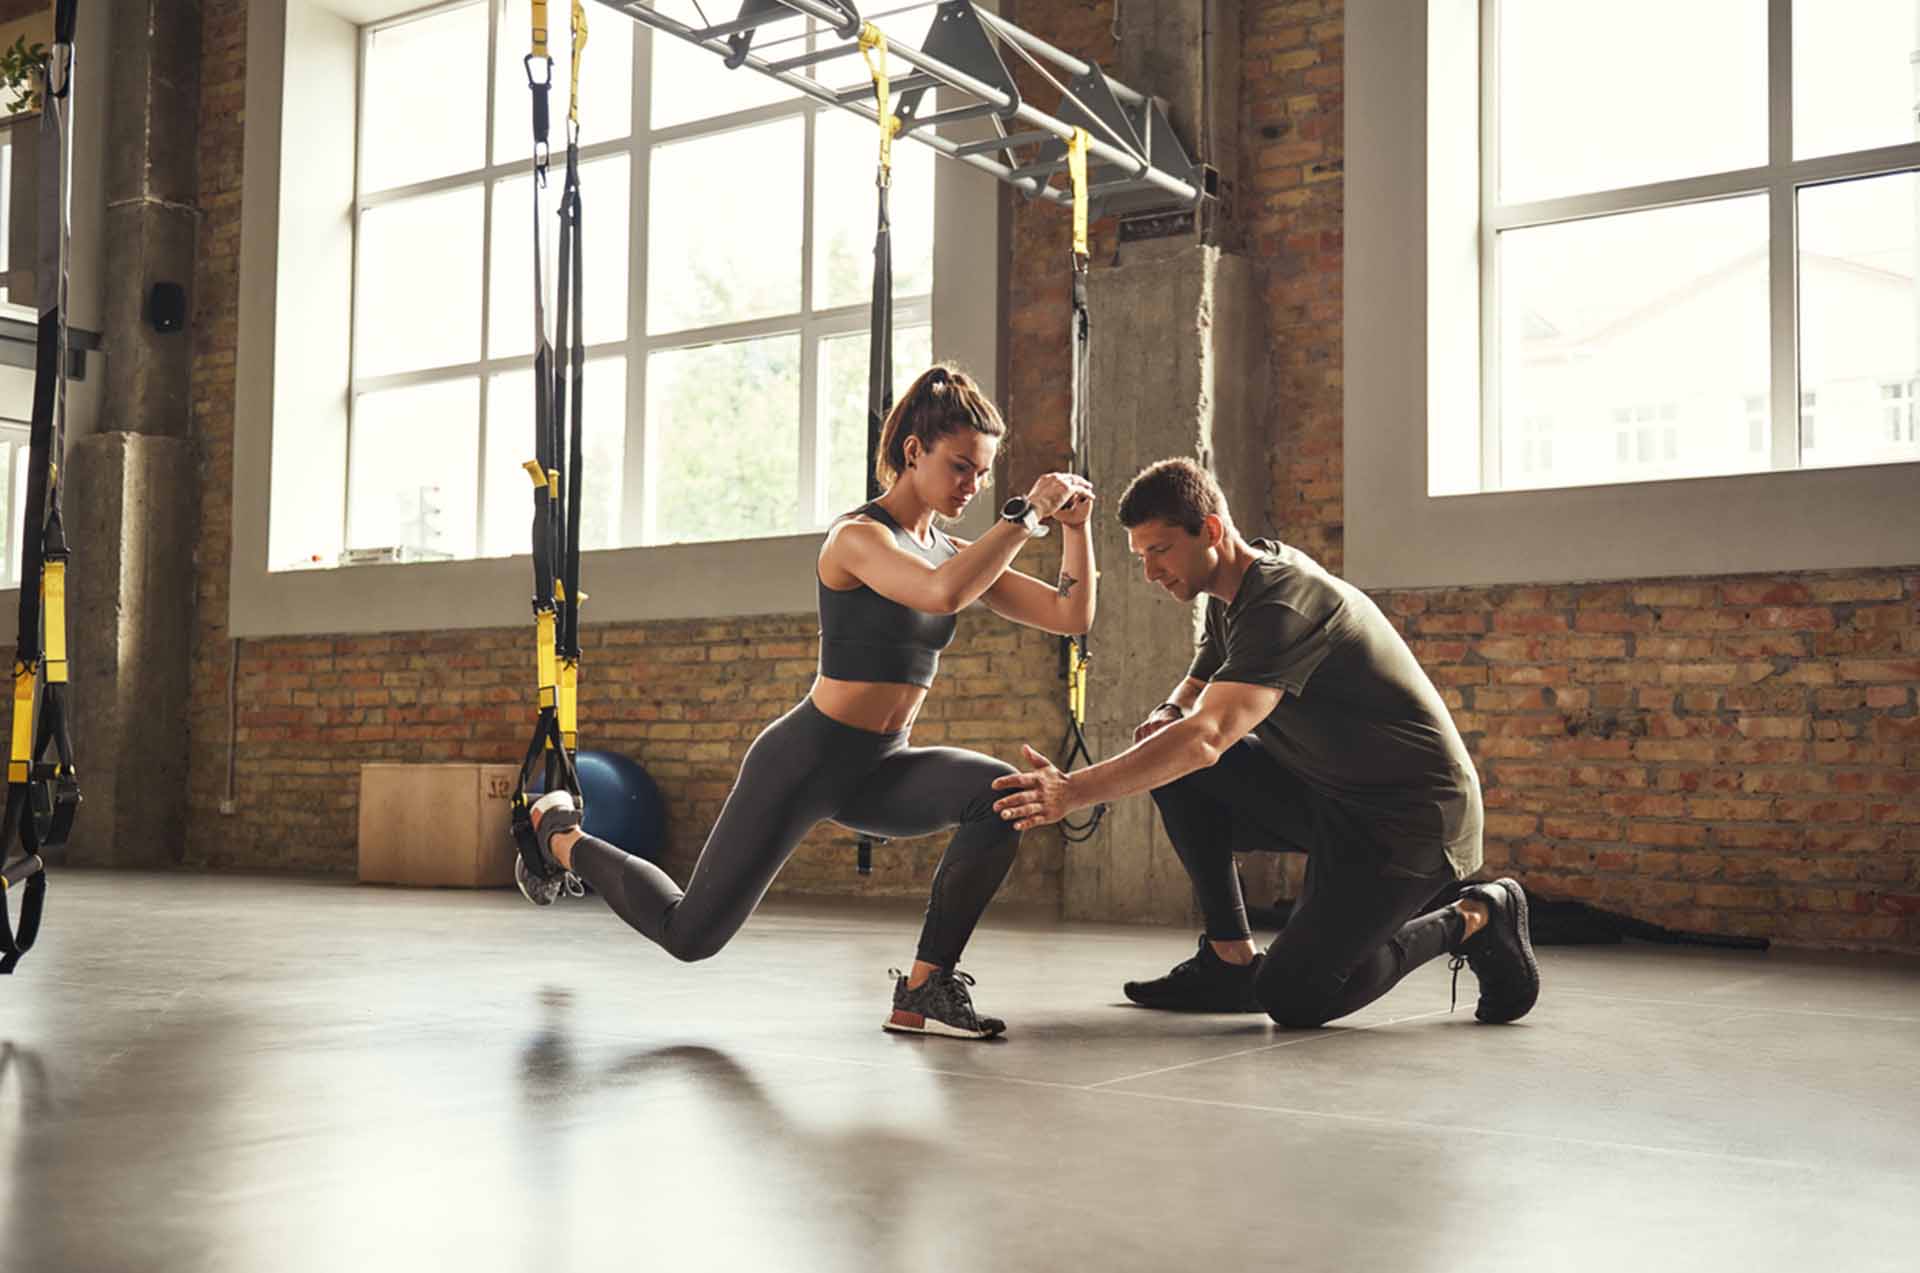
[[1297, 1000]]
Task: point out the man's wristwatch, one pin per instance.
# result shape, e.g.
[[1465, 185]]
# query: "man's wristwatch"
[[1021, 511]]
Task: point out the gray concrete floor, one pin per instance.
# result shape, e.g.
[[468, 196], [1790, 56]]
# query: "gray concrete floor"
[[214, 1073]]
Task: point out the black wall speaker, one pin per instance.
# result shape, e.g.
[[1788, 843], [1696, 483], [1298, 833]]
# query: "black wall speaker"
[[167, 307]]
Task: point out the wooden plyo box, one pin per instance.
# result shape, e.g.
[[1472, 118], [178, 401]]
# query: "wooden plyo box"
[[442, 824]]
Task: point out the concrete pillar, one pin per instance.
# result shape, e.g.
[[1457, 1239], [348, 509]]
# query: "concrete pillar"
[[132, 488], [1177, 368], [133, 526], [1188, 55], [152, 191]]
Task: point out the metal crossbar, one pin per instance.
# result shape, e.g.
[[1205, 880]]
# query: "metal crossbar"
[[1141, 165]]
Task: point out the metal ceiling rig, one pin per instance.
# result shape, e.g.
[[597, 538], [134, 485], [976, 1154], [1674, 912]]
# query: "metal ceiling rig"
[[1138, 165]]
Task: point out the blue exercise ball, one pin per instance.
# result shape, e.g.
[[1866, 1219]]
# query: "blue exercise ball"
[[623, 804]]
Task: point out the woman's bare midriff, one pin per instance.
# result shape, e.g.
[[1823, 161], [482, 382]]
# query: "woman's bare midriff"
[[880, 707]]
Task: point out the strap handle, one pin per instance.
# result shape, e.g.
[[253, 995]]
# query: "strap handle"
[[873, 40], [579, 26]]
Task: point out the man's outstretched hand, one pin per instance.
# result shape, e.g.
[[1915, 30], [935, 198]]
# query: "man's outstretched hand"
[[1036, 798]]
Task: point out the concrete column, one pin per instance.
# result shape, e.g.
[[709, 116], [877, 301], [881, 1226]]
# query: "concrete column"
[[1187, 54], [132, 488], [1177, 368]]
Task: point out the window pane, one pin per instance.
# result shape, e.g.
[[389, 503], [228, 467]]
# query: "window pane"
[[418, 301], [846, 155], [426, 99], [691, 83], [606, 81], [723, 231], [843, 408], [1858, 334], [605, 200], [412, 483], [724, 439], [1634, 346], [1633, 92], [510, 445], [1853, 80]]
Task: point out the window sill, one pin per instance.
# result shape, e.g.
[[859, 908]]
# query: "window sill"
[[628, 585]]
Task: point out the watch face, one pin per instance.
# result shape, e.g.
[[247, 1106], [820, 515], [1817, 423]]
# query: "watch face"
[[1015, 508]]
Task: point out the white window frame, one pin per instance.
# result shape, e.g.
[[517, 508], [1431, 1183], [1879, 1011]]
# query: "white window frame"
[[15, 437], [1781, 178], [1414, 349], [302, 57], [812, 325]]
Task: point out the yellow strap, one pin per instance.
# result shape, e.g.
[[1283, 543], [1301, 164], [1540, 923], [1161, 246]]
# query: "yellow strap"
[[1077, 170], [871, 38], [1076, 685], [579, 45], [53, 590], [544, 640], [25, 685], [539, 28], [534, 471], [569, 704]]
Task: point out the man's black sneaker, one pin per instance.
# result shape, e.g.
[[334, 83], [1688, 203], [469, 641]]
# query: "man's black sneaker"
[[1501, 954], [939, 1005], [1205, 983]]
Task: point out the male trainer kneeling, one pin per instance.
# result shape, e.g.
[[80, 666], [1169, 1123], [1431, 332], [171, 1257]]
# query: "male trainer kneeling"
[[1304, 724]]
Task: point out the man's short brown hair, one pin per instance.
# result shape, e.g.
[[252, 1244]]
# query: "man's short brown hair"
[[1178, 491]]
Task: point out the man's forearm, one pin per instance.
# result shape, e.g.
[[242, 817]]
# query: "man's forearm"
[[1172, 753]]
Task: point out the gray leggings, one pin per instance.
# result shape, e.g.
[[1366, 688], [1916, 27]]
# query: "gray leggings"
[[803, 769]]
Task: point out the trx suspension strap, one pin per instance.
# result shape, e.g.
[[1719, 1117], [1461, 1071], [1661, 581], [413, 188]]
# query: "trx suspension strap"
[[880, 307], [1074, 650], [42, 795], [556, 484], [880, 317]]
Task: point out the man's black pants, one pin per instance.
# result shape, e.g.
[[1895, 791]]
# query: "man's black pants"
[[1357, 927]]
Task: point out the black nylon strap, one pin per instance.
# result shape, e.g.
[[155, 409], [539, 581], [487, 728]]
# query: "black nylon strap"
[[1078, 830], [559, 452], [879, 390], [879, 341], [572, 344]]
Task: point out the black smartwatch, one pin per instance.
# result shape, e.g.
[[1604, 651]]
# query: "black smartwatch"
[[1020, 511]]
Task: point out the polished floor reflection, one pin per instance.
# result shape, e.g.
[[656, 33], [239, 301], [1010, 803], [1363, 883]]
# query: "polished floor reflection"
[[208, 1073]]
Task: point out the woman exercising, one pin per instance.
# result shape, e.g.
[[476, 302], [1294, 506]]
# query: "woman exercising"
[[890, 584]]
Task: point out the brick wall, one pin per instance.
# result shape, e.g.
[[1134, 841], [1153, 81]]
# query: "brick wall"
[[1740, 755]]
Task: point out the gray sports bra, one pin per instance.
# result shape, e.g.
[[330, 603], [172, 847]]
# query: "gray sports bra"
[[867, 637]]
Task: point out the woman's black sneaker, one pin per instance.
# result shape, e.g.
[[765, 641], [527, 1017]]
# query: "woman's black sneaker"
[[1501, 954], [1205, 983], [939, 1005]]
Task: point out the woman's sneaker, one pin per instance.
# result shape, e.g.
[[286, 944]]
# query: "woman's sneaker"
[[553, 813], [1501, 954], [939, 1005], [1204, 983]]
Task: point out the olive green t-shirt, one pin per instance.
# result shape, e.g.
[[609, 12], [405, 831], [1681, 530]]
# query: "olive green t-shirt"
[[1358, 721]]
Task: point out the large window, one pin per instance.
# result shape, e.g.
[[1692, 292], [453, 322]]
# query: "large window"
[[727, 229], [1698, 240]]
